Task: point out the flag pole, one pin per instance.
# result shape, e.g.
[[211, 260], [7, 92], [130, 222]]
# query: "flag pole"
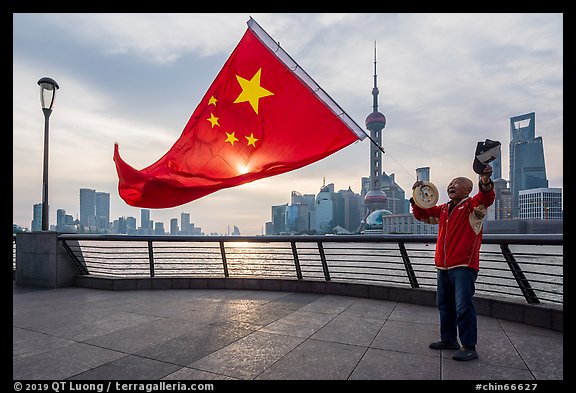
[[374, 142]]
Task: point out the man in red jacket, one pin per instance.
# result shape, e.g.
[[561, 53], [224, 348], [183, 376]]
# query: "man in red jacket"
[[457, 259]]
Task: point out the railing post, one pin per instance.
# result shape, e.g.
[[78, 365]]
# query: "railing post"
[[151, 258], [324, 263], [296, 260], [79, 265], [518, 274], [224, 263], [408, 266]]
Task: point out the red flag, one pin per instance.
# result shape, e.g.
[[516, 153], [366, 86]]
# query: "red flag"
[[262, 116]]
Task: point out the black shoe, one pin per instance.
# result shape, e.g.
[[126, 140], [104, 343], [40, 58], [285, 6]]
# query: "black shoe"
[[465, 354], [445, 345]]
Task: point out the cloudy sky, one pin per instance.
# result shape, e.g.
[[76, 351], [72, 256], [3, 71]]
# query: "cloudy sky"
[[446, 82]]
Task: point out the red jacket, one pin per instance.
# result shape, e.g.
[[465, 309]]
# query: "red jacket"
[[460, 232]]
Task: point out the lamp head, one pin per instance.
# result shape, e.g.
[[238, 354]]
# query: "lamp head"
[[48, 87]]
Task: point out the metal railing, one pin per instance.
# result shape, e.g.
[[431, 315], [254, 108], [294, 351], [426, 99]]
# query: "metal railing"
[[528, 267]]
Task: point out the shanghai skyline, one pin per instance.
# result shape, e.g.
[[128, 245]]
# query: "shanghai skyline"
[[446, 81]]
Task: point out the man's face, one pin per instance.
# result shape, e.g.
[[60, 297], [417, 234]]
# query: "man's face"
[[459, 188]]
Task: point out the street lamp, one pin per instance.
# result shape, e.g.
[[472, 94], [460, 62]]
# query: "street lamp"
[[48, 87]]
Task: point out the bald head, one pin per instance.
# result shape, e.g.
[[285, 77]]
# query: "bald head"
[[467, 182], [459, 188]]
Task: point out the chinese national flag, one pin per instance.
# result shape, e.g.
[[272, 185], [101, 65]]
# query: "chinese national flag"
[[259, 118]]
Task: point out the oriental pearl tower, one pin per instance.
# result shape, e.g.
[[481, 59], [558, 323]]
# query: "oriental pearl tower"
[[375, 198]]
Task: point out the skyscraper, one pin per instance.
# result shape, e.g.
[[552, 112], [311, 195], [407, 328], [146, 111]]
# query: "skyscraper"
[[102, 210], [37, 217], [347, 212], [324, 209], [502, 208], [278, 219], [131, 227], [185, 223], [527, 168], [145, 223], [542, 203], [496, 168], [423, 173], [174, 226], [396, 201], [87, 207]]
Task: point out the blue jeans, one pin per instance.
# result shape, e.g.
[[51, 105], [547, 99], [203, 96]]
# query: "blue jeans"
[[455, 288]]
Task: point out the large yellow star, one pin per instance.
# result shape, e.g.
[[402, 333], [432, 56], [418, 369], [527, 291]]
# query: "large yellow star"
[[214, 120], [231, 138], [252, 91], [251, 139]]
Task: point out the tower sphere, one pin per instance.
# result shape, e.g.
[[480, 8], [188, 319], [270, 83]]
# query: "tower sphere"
[[375, 199], [375, 120]]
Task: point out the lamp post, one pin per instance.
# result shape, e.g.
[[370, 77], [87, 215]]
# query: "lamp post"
[[48, 87]]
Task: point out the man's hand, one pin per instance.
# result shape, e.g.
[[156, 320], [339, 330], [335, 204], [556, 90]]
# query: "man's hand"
[[486, 173]]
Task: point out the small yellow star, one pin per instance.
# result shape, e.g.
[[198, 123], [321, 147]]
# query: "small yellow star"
[[214, 120], [252, 91], [231, 138], [212, 101], [251, 139]]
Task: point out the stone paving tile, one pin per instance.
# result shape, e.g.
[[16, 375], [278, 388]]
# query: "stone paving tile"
[[191, 374], [403, 336], [371, 308], [157, 307], [541, 353], [299, 324], [520, 328], [231, 294], [331, 304], [249, 356], [211, 313], [350, 329], [80, 324], [487, 323], [415, 313], [27, 343], [62, 363], [481, 369], [129, 368], [294, 301], [316, 360], [187, 348], [496, 348], [137, 338], [547, 377], [262, 315], [384, 364], [39, 298]]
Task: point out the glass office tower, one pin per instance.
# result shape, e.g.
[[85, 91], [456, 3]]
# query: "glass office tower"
[[527, 168]]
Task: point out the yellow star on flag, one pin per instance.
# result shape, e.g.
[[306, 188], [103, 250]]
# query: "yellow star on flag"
[[252, 91], [212, 101], [231, 138], [214, 120], [251, 139]]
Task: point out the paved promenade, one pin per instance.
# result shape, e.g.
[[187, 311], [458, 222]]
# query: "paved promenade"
[[201, 334]]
